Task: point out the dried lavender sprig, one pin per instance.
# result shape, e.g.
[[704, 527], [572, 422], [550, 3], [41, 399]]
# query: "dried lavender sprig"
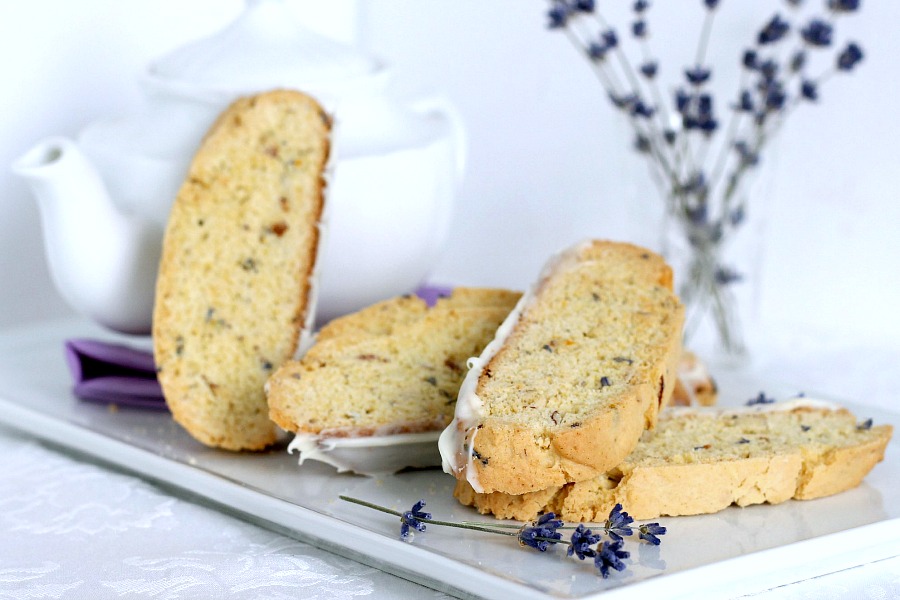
[[815, 35], [663, 109], [612, 84], [615, 88], [705, 33], [771, 33], [429, 520], [543, 533], [673, 169], [775, 29]]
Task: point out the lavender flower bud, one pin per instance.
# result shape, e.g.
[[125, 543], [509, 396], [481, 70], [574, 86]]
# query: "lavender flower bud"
[[695, 185], [610, 39], [558, 15], [745, 102], [697, 215], [536, 535], [850, 57], [817, 33], [639, 109], [698, 75], [623, 102], [760, 399], [414, 518], [708, 125], [640, 6], [682, 100], [843, 5], [726, 275], [581, 542], [650, 531], [618, 523], [769, 70], [642, 144], [609, 556], [750, 60], [775, 96], [773, 31], [809, 90], [596, 52], [639, 29], [648, 69]]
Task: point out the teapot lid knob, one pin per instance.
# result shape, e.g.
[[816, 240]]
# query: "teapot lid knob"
[[265, 47]]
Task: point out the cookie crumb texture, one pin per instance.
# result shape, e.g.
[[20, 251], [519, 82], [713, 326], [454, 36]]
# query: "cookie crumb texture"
[[585, 370], [239, 249], [697, 463], [394, 367]]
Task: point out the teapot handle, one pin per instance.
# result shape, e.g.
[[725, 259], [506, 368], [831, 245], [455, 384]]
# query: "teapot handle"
[[443, 106]]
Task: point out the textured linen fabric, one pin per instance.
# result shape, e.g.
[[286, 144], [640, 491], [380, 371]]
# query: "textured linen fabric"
[[73, 529]]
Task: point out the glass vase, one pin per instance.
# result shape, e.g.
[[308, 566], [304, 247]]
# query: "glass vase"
[[718, 266]]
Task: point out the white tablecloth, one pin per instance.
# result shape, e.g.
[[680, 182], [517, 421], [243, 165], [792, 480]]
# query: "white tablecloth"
[[70, 528]]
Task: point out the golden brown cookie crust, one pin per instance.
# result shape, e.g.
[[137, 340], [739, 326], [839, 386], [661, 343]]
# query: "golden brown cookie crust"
[[804, 453], [394, 367], [239, 249], [584, 370]]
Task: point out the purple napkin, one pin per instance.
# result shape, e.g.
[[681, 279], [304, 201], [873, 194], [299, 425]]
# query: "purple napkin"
[[113, 374], [431, 293]]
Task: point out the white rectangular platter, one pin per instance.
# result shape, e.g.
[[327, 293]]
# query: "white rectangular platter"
[[749, 549]]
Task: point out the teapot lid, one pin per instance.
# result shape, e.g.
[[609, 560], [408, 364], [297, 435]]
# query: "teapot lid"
[[264, 48]]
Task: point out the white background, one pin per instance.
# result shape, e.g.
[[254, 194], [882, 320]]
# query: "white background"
[[549, 163]]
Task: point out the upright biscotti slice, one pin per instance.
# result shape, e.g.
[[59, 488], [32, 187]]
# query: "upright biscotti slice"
[[234, 288], [703, 460], [575, 374], [394, 367]]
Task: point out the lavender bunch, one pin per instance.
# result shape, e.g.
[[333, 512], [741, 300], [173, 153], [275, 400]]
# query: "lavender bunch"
[[700, 154], [543, 534]]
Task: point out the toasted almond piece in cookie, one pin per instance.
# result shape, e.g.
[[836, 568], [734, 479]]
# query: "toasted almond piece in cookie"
[[394, 367], [234, 286], [574, 376], [703, 460]]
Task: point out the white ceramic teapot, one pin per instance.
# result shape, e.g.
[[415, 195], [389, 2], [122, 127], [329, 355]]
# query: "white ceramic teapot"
[[105, 198]]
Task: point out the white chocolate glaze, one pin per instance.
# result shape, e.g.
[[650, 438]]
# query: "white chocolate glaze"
[[307, 335], [692, 374], [719, 411], [370, 455], [453, 444]]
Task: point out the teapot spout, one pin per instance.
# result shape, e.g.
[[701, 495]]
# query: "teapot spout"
[[102, 262]]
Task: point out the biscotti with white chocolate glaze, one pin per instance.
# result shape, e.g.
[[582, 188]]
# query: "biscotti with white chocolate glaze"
[[695, 385], [703, 460], [574, 375], [234, 289], [394, 367]]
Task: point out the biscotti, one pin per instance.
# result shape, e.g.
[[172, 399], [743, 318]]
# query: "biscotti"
[[574, 375], [394, 367], [234, 289], [703, 460], [695, 385]]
